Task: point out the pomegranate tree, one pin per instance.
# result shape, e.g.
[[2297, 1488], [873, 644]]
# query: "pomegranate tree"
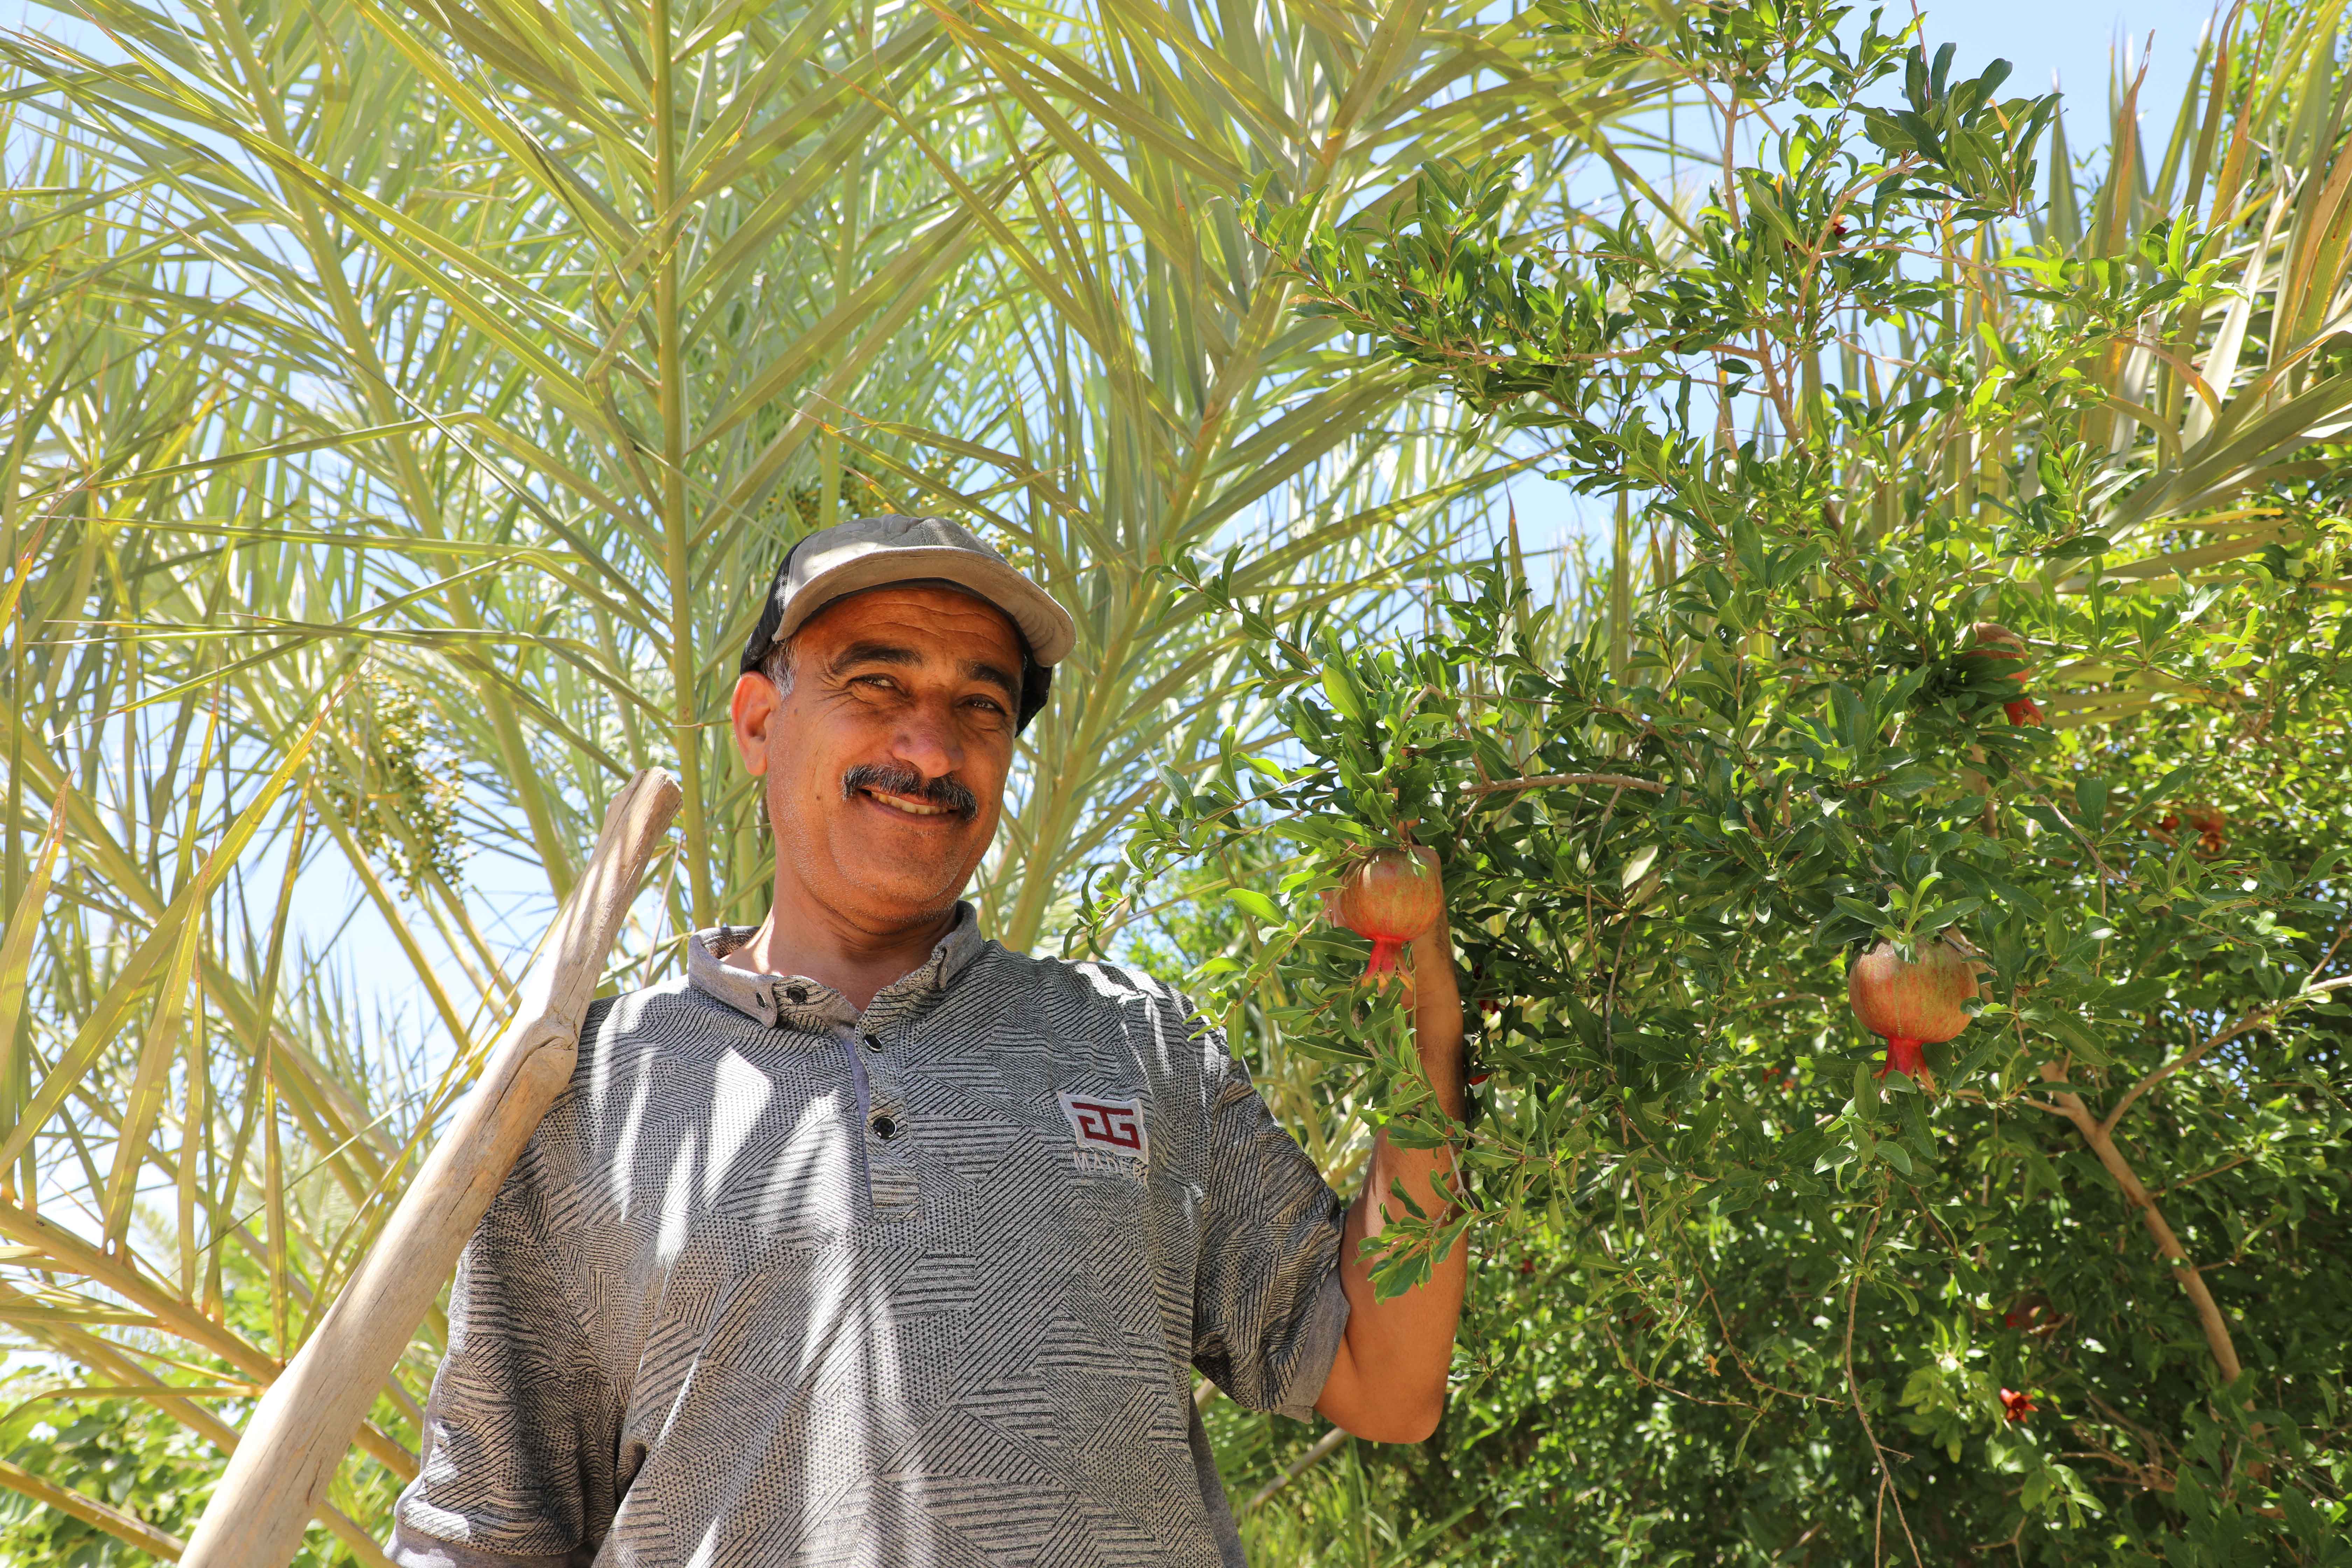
[[1996, 641], [1911, 1002], [1391, 896], [1771, 742]]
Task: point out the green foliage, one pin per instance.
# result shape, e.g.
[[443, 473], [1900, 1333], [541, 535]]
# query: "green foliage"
[[124, 1454], [2074, 1295]]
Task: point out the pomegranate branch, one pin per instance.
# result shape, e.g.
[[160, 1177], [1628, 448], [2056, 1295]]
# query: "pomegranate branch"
[[2246, 1024], [1546, 780], [2094, 1133], [1325, 1446], [1853, 1387]]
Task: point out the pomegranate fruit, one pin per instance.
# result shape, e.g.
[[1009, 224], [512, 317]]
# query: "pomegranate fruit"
[[1911, 1005], [2212, 827], [2033, 1314], [1998, 642], [1391, 896]]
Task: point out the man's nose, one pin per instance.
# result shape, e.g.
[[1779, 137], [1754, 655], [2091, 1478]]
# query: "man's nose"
[[926, 740]]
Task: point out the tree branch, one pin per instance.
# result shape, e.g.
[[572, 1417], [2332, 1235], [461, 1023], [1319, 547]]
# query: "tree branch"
[[2094, 1133], [2254, 1020], [1324, 1446], [1545, 781], [1853, 1389]]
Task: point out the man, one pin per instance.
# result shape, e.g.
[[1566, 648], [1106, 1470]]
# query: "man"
[[869, 1241]]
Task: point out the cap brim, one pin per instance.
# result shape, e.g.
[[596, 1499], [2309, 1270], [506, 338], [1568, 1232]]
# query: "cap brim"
[[1042, 624]]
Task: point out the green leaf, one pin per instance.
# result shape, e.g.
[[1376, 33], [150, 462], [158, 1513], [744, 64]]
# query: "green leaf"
[[1256, 904], [1339, 686]]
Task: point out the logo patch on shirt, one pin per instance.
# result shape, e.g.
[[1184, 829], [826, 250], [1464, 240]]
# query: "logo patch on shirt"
[[1109, 1132]]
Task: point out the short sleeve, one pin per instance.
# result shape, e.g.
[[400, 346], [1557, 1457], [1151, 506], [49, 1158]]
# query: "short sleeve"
[[1268, 1313], [520, 1432]]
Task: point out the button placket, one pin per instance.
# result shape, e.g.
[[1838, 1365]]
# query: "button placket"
[[888, 1146]]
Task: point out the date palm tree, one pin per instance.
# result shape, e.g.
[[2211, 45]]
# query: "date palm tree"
[[401, 403]]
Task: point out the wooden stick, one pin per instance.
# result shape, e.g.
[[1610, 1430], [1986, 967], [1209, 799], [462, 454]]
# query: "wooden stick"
[[277, 1478]]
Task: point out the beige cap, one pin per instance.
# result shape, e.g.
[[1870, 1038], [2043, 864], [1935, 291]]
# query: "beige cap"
[[872, 552]]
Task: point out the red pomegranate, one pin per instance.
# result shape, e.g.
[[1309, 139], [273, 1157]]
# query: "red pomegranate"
[[1997, 641], [1911, 1005], [2212, 829], [2033, 1314], [1391, 896]]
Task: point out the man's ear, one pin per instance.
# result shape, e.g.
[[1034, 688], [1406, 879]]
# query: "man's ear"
[[756, 705]]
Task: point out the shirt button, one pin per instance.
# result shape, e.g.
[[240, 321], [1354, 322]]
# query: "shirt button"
[[873, 1042], [884, 1128]]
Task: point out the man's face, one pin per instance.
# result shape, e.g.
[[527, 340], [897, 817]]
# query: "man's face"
[[886, 763]]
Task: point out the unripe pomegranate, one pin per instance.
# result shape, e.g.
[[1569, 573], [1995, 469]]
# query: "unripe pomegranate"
[[1911, 1005], [1392, 897], [1997, 641]]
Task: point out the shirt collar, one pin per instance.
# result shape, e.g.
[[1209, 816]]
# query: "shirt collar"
[[778, 1000]]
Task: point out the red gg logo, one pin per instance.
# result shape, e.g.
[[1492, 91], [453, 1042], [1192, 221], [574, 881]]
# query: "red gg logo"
[[1114, 1126]]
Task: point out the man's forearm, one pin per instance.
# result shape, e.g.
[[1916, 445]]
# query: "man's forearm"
[[1437, 1003], [1389, 1381]]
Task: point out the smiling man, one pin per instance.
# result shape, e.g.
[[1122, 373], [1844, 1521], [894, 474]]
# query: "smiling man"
[[867, 1241]]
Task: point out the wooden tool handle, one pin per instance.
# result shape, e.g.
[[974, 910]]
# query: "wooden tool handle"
[[277, 1477]]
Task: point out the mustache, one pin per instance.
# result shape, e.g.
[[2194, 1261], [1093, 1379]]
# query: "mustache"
[[941, 790]]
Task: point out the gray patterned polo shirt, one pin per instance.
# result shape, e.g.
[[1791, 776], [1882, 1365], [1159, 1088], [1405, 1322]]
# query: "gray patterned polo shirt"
[[777, 1283]]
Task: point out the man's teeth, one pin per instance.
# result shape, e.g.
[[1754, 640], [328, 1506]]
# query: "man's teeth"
[[911, 807]]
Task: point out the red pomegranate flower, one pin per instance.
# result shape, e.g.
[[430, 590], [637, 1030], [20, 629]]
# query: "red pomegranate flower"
[[2015, 1406]]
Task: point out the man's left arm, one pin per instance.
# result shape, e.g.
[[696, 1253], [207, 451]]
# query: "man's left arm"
[[1388, 1380]]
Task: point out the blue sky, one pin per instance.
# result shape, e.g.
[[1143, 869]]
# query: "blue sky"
[[2075, 39]]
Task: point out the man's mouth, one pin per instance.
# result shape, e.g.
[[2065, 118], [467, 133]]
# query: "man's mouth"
[[905, 791], [910, 807]]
